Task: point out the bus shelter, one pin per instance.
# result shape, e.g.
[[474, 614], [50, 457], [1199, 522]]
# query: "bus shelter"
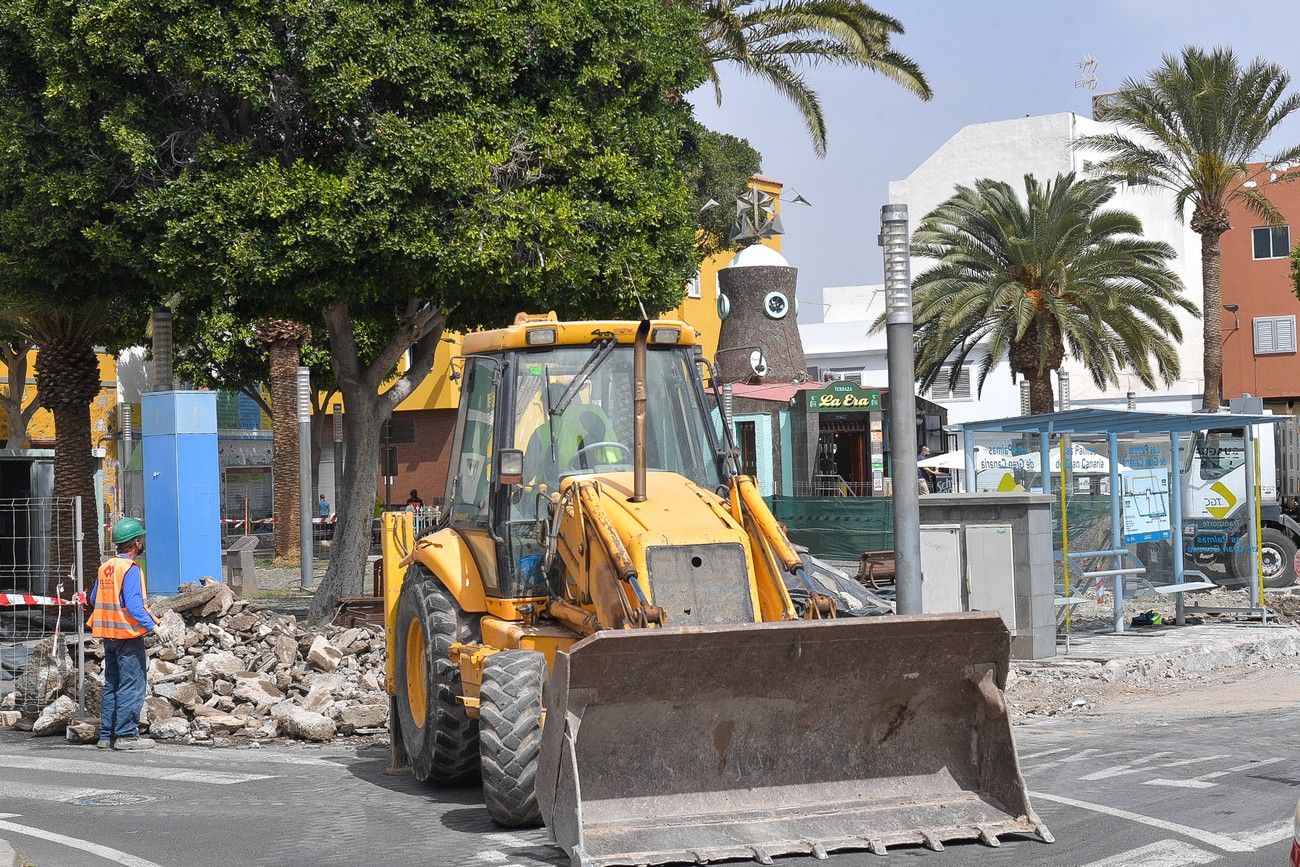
[[1135, 496]]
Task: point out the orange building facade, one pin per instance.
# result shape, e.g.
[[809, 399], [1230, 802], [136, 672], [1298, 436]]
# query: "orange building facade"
[[1261, 309]]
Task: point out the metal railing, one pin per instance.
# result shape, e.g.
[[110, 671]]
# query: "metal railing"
[[42, 627]]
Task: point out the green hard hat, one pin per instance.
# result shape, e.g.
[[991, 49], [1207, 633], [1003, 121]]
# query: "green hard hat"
[[127, 529]]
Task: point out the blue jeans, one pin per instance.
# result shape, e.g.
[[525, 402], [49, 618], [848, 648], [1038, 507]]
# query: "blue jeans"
[[124, 688]]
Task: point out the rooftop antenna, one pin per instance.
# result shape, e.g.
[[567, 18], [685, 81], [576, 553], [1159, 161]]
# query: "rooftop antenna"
[[1088, 67]]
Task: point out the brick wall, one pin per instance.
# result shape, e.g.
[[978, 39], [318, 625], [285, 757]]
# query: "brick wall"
[[423, 463]]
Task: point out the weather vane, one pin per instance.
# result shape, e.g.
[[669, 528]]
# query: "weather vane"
[[756, 216]]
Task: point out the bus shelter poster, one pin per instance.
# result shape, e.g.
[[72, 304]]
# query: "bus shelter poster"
[[1146, 504]]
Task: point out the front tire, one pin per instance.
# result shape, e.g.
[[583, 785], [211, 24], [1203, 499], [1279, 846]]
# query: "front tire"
[[1278, 552], [510, 735], [441, 740]]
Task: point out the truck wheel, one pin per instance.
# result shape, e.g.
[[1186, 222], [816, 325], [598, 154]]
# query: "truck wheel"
[[510, 735], [441, 740], [1278, 552]]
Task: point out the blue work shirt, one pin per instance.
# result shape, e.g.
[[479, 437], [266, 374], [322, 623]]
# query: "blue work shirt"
[[132, 597], [324, 508]]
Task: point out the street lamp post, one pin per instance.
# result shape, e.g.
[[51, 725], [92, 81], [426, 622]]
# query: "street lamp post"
[[894, 237], [337, 425], [304, 478]]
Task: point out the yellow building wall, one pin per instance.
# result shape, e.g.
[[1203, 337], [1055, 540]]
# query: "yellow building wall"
[[103, 421]]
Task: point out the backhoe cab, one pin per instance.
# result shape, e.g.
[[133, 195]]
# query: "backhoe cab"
[[601, 547]]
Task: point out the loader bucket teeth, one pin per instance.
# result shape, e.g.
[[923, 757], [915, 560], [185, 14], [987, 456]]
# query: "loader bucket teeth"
[[757, 740]]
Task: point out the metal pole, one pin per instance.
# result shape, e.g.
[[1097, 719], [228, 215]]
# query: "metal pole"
[[1176, 520], [127, 436], [1252, 537], [968, 448], [1044, 457], [304, 476], [639, 412], [163, 378], [388, 450], [337, 425], [1116, 527], [81, 618], [894, 237]]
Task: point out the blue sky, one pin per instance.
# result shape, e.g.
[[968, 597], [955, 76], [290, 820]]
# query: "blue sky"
[[985, 61]]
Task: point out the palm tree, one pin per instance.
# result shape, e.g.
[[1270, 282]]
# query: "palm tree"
[[1039, 278], [1199, 120], [284, 339], [778, 41]]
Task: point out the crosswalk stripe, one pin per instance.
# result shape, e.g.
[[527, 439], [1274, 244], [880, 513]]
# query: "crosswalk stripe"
[[110, 769], [1164, 853]]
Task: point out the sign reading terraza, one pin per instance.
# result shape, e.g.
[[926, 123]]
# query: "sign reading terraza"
[[843, 397]]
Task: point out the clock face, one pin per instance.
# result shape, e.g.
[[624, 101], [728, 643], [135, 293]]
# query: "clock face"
[[776, 305]]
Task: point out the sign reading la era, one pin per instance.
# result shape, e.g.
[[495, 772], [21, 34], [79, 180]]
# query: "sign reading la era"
[[843, 397]]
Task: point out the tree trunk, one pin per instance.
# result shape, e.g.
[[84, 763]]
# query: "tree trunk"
[[1212, 318], [14, 356], [67, 375], [1041, 398], [284, 447], [368, 408]]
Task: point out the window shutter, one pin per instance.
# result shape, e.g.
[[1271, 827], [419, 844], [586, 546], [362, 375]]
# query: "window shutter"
[[962, 390], [1265, 338], [1284, 334]]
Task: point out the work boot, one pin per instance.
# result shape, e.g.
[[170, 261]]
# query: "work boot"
[[104, 743], [134, 743]]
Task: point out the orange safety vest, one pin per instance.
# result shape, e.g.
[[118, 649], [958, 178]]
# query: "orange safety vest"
[[110, 618]]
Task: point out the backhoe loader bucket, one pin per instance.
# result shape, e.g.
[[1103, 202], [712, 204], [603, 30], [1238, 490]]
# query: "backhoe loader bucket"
[[694, 744]]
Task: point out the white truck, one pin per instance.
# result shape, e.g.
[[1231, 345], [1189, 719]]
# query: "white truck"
[[1215, 503]]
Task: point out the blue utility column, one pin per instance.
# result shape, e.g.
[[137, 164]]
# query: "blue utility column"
[[182, 507]]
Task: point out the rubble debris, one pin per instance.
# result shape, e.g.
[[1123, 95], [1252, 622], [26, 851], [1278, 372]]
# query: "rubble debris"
[[224, 671], [55, 718]]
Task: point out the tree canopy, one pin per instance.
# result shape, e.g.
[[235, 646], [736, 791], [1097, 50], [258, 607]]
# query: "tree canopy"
[[388, 168]]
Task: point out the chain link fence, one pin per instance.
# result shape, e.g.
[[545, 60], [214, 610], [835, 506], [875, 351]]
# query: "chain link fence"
[[42, 626]]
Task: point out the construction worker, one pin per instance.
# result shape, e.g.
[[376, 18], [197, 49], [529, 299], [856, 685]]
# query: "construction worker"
[[120, 620]]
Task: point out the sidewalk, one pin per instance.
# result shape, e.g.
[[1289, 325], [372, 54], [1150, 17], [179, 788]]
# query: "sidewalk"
[[1105, 668]]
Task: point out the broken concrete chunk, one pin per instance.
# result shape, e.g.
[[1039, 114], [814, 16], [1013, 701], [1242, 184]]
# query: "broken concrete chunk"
[[55, 718], [167, 729], [305, 725], [220, 663], [324, 655]]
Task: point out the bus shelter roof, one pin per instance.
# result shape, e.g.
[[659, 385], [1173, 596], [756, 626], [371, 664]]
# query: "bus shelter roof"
[[1097, 420]]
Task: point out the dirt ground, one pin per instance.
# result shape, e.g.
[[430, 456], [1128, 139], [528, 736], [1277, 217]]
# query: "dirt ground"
[[1092, 617]]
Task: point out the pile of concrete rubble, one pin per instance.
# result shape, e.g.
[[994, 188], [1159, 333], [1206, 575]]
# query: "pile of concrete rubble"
[[224, 671]]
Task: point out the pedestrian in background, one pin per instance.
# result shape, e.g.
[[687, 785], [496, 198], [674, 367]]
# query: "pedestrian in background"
[[414, 502], [120, 620], [925, 476], [324, 507]]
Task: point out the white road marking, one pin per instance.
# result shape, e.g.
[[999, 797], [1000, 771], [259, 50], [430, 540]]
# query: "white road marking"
[[1025, 758], [108, 854], [1080, 756], [1202, 781], [1267, 835], [1143, 764], [492, 856], [518, 840], [1165, 853], [1219, 841], [109, 769], [256, 757]]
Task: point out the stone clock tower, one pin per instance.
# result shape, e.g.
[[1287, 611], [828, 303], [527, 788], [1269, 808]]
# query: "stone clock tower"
[[756, 300]]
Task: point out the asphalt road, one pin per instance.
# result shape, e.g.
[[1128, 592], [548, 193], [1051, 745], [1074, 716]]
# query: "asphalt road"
[[1158, 785]]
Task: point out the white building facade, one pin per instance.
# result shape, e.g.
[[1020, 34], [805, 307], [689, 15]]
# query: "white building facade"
[[1046, 146]]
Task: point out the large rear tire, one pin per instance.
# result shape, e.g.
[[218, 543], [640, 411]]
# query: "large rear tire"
[[510, 735], [1278, 552], [441, 740]]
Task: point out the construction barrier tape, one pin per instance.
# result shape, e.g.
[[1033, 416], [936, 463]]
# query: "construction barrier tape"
[[27, 599]]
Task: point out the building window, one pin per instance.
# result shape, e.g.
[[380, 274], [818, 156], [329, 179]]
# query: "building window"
[[1271, 242], [852, 375], [747, 441], [1274, 334], [943, 390], [1137, 179], [693, 286]]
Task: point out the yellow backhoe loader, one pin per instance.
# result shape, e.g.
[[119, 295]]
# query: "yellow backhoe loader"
[[601, 630]]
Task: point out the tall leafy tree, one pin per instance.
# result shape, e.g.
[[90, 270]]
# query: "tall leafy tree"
[[17, 405], [1193, 126], [778, 42], [57, 291], [389, 169], [1041, 276], [725, 165]]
